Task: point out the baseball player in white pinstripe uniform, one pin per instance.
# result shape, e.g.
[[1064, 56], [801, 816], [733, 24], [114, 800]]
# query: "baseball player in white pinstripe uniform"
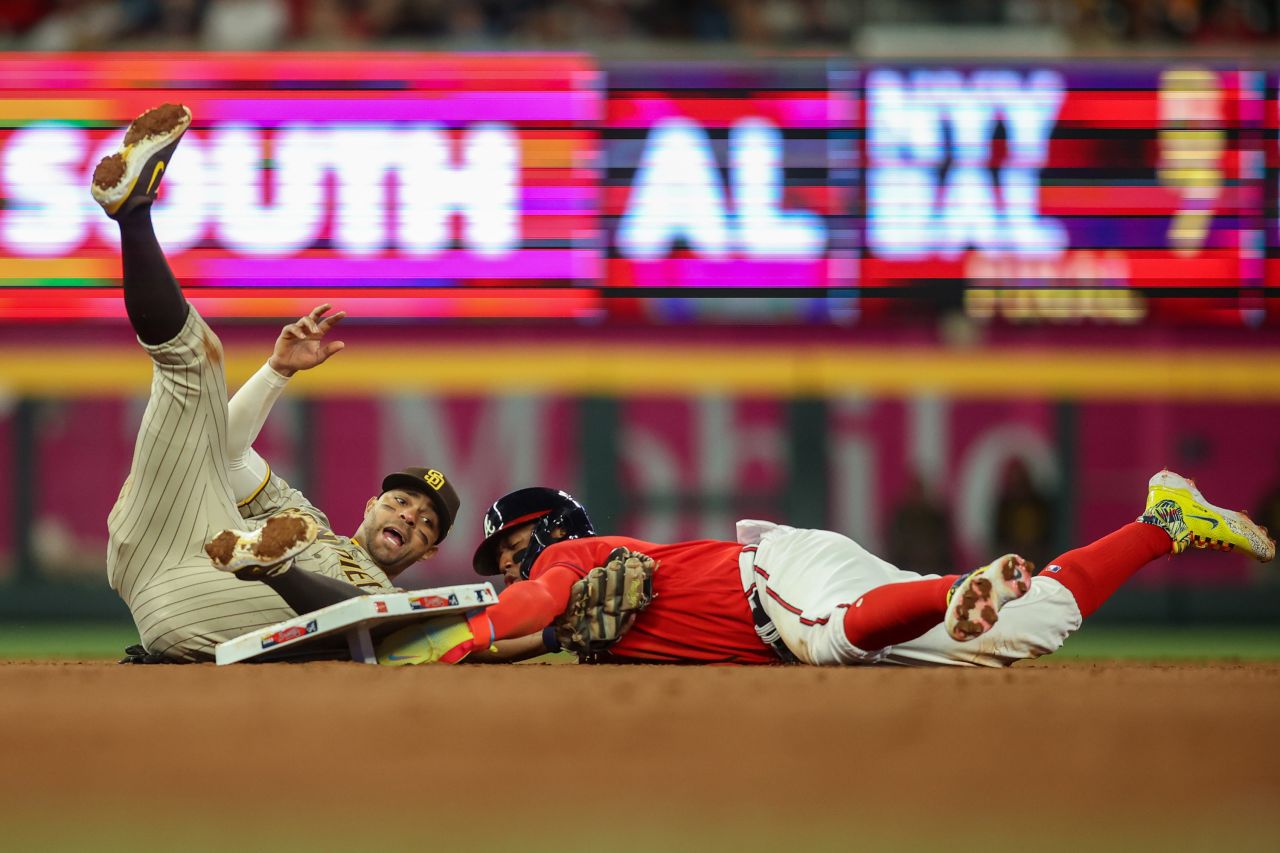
[[188, 528]]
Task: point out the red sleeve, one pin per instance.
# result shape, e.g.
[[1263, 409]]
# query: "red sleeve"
[[526, 607], [577, 555]]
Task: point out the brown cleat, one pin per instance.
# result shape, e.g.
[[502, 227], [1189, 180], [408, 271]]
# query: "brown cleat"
[[974, 603], [131, 177], [267, 551]]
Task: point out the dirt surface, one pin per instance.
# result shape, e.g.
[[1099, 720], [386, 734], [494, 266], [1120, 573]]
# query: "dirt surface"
[[155, 122], [109, 171], [1048, 756], [279, 535]]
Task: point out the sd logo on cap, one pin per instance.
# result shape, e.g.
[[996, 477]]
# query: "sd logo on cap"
[[432, 483]]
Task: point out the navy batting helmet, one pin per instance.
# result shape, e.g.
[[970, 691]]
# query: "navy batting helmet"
[[556, 516]]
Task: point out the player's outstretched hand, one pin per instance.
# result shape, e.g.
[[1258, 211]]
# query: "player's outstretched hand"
[[301, 345]]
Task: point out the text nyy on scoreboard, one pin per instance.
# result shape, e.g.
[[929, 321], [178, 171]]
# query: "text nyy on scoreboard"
[[404, 185]]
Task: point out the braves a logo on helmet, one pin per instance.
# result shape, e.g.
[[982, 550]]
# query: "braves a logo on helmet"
[[489, 527]]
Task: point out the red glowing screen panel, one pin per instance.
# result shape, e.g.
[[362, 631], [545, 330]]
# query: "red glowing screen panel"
[[414, 185], [402, 185]]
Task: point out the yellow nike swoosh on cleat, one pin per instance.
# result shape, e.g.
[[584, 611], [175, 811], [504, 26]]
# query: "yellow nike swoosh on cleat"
[[155, 176]]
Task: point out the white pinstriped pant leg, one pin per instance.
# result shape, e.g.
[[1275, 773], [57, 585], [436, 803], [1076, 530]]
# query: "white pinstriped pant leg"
[[178, 494]]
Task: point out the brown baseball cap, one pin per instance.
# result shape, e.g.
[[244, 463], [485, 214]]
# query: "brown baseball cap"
[[432, 483]]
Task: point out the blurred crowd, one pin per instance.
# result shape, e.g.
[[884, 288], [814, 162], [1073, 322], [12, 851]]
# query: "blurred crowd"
[[1084, 21], [321, 24], [833, 24], [920, 536]]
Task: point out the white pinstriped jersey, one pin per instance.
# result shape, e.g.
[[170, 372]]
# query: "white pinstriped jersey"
[[178, 495]]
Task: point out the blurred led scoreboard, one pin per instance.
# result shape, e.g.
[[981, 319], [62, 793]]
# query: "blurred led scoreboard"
[[1069, 189], [405, 185]]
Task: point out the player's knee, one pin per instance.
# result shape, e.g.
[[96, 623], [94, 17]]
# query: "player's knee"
[[831, 647]]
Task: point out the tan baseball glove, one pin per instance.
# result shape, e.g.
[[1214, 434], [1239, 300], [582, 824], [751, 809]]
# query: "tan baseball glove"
[[604, 604]]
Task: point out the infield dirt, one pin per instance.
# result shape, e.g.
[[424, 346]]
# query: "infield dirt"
[[542, 757]]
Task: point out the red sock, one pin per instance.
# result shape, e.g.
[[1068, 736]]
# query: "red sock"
[[896, 612], [1093, 573]]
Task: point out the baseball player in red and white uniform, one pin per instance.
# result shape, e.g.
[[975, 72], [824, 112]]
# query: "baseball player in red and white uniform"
[[187, 529], [814, 596]]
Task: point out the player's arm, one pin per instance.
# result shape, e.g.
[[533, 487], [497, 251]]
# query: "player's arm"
[[300, 346], [523, 609], [513, 650]]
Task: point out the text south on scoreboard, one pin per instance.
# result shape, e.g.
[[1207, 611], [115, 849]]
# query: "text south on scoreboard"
[[551, 185]]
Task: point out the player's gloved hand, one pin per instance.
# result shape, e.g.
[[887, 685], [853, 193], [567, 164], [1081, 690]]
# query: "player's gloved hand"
[[603, 605], [447, 639]]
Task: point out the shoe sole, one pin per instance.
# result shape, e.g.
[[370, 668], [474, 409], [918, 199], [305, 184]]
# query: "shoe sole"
[[283, 536], [148, 155], [1252, 538], [975, 605]]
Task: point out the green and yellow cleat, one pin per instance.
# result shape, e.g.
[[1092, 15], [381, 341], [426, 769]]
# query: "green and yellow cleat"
[[131, 177], [1176, 505]]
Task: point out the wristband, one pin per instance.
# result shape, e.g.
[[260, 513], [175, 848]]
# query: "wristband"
[[549, 638], [474, 622]]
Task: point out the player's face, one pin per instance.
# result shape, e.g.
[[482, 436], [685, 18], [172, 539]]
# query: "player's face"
[[512, 545], [400, 528]]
